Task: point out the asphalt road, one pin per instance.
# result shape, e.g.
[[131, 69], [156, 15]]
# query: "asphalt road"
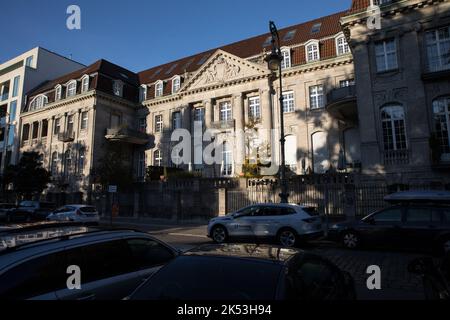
[[397, 283]]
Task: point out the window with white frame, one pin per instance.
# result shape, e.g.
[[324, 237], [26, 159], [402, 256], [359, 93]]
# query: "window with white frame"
[[58, 92], [438, 49], [346, 83], [141, 165], [118, 88], [142, 125], [57, 126], [176, 84], [342, 45], [288, 102], [38, 102], [441, 119], [254, 109], [71, 89], [386, 55], [199, 114], [176, 120], [227, 160], [225, 111], [84, 120], [312, 52], [142, 93], [159, 123], [394, 129], [70, 124], [159, 89], [316, 97], [85, 84], [286, 55], [157, 158]]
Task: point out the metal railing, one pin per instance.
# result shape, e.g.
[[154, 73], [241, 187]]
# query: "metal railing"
[[396, 157], [66, 136], [223, 124], [341, 94]]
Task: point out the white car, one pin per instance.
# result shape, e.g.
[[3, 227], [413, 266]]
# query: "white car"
[[76, 213], [287, 223]]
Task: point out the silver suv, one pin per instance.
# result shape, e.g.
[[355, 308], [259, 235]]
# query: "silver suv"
[[34, 262], [287, 223]]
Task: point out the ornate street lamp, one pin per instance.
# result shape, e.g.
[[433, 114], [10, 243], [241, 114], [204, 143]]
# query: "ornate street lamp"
[[274, 62]]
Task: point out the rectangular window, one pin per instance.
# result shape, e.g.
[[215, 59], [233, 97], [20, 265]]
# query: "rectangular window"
[[316, 97], [159, 123], [35, 133], [346, 83], [70, 124], [44, 128], [312, 52], [16, 86], [254, 110], [176, 120], [225, 111], [12, 111], [25, 132], [58, 93], [199, 115], [142, 127], [72, 89], [438, 49], [159, 89], [57, 127], [386, 55], [342, 46], [85, 84], [288, 102], [286, 62], [11, 134], [84, 120], [176, 85]]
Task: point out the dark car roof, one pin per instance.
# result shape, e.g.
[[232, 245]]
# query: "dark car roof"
[[245, 251]]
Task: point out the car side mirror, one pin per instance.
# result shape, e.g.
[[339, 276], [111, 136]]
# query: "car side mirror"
[[420, 266]]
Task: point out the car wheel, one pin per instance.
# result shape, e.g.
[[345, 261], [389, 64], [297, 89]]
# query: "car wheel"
[[219, 234], [287, 238], [350, 240]]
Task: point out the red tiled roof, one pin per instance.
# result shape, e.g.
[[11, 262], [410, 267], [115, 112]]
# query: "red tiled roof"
[[250, 47], [359, 5]]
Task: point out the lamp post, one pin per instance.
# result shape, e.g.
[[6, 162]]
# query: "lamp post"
[[274, 62]]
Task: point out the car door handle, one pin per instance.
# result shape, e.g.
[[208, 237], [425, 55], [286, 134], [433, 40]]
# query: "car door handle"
[[87, 297]]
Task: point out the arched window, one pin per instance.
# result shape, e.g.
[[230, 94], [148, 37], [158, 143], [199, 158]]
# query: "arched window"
[[159, 89], [54, 164], [67, 163], [38, 102], [394, 128], [71, 89], [321, 156], [176, 84], [227, 160], [441, 119], [286, 62], [85, 84], [157, 158], [58, 92], [81, 160]]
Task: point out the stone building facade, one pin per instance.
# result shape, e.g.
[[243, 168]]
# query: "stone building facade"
[[356, 99]]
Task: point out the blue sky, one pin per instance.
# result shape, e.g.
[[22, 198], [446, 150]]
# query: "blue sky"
[[139, 34]]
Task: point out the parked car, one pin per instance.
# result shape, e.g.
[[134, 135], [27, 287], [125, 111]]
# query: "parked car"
[[5, 210], [287, 223], [38, 210], [235, 272], [34, 260], [417, 219], [435, 276], [75, 212]]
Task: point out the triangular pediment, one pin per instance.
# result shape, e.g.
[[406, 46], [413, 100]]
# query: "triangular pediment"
[[223, 67]]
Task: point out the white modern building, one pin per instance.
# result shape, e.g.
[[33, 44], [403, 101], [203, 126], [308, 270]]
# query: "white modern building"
[[18, 76]]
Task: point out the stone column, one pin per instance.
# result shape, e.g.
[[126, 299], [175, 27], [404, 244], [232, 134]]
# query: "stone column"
[[208, 113]]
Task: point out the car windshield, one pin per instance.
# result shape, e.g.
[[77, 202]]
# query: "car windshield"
[[27, 204], [212, 278], [88, 209]]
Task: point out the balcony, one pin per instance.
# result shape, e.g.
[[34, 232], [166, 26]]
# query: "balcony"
[[436, 73], [396, 157], [224, 125], [341, 103], [127, 135], [66, 136]]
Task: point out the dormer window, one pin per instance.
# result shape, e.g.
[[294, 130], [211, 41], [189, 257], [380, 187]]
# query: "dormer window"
[[286, 62], [176, 84], [71, 88], [118, 88], [38, 102], [58, 92], [312, 51], [142, 93], [85, 84], [159, 89], [342, 45]]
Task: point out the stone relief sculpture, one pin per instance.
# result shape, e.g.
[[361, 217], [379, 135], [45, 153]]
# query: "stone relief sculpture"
[[222, 70]]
